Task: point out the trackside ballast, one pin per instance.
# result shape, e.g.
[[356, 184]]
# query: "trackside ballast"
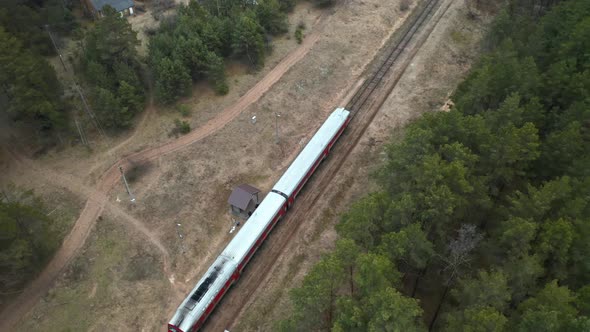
[[198, 305]]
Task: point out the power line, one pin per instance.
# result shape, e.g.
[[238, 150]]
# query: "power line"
[[94, 119], [87, 108], [55, 46], [81, 132]]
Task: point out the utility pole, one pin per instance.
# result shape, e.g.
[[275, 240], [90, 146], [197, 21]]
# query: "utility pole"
[[55, 46], [126, 185], [81, 132], [181, 237], [277, 116]]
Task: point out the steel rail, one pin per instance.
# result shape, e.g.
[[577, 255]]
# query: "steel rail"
[[360, 98]]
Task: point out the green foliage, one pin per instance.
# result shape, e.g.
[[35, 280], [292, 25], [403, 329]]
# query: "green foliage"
[[287, 6], [551, 310], [182, 127], [172, 80], [27, 241], [299, 35], [30, 85], [183, 109], [408, 246], [523, 273], [28, 21], [488, 289], [361, 222], [583, 300], [111, 68], [476, 319], [270, 16], [391, 311], [248, 39], [104, 102], [192, 45], [516, 236], [375, 272], [487, 203], [314, 301]]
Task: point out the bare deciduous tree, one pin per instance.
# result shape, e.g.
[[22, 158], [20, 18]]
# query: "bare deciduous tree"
[[460, 250], [459, 256]]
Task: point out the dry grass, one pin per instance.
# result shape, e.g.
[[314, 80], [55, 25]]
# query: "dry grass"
[[191, 186], [102, 286], [425, 85]]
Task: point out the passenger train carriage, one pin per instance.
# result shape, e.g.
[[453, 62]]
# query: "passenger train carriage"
[[226, 269]]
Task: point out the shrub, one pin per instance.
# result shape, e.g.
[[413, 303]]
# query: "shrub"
[[182, 127], [299, 36]]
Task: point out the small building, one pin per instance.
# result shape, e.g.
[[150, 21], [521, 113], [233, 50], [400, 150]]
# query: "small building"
[[244, 200], [94, 7]]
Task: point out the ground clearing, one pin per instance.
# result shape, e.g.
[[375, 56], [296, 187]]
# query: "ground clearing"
[[101, 287]]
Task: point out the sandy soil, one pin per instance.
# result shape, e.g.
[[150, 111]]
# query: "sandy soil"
[[192, 185]]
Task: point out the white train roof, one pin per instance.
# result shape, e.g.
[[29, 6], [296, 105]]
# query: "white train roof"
[[312, 151], [246, 238], [193, 307], [195, 304], [204, 292]]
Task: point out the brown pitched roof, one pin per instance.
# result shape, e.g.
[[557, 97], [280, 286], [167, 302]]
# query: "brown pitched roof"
[[241, 196]]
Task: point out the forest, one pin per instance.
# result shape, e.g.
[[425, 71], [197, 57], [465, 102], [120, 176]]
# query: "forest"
[[28, 238], [193, 44], [30, 91], [107, 78], [482, 219]]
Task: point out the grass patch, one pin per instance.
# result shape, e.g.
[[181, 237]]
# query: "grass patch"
[[142, 266], [181, 126], [183, 109], [69, 306], [293, 268], [324, 221], [459, 38]]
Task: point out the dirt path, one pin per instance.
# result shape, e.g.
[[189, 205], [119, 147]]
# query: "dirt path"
[[97, 198], [76, 186]]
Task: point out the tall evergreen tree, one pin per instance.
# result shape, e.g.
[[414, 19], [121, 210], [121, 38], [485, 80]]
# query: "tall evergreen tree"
[[30, 84], [111, 67]]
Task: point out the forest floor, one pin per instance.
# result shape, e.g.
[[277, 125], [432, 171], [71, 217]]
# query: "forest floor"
[[131, 270]]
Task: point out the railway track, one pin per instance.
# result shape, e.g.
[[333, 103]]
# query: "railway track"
[[366, 99], [363, 94]]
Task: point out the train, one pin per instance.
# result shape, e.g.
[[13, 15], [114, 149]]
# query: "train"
[[227, 268]]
